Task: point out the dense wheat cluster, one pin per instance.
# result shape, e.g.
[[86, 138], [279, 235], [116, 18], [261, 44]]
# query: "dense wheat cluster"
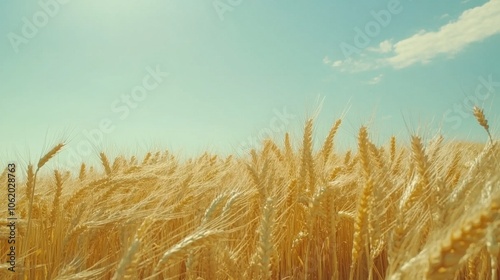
[[427, 210]]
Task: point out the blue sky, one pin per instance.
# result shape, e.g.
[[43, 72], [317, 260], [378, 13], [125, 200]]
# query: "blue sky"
[[210, 75]]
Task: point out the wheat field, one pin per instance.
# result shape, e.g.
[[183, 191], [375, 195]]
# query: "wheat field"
[[426, 210]]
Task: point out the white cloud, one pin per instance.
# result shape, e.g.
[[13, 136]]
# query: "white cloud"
[[337, 63], [326, 60], [360, 65], [473, 25], [444, 16], [375, 80], [384, 47]]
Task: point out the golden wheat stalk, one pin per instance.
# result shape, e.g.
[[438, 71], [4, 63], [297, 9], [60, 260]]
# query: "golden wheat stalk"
[[265, 248], [393, 149], [49, 155], [307, 164], [57, 198], [30, 181], [360, 225], [105, 163], [40, 164], [328, 145], [481, 119], [364, 151]]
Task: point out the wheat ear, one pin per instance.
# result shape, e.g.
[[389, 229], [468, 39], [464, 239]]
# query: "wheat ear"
[[328, 145], [40, 164], [129, 256], [81, 175], [105, 163], [289, 155], [360, 222], [265, 248], [306, 159], [364, 151], [57, 198], [30, 182], [192, 241], [481, 119], [444, 262], [393, 149], [212, 208], [420, 160], [49, 155]]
